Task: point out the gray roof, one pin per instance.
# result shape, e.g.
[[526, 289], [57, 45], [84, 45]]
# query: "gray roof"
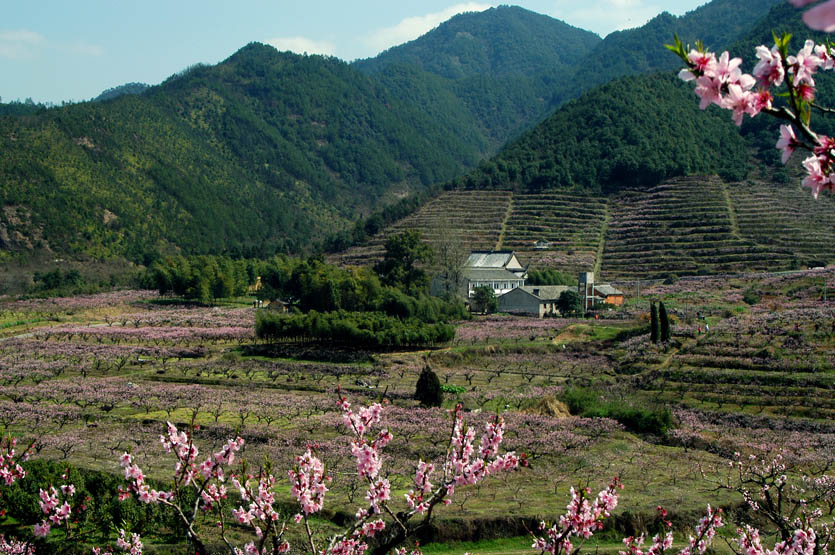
[[607, 290], [485, 259], [546, 292], [498, 274]]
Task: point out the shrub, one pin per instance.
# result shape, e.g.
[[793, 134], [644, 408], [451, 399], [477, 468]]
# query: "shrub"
[[590, 403], [653, 323], [428, 389], [664, 323]]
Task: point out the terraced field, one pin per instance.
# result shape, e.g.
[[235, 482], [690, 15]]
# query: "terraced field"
[[787, 216], [779, 363], [573, 225], [471, 218], [684, 226]]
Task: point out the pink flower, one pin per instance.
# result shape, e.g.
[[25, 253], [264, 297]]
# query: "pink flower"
[[769, 70], [806, 92], [42, 529], [816, 180], [822, 52], [821, 17], [805, 64], [788, 141], [760, 100], [737, 100]]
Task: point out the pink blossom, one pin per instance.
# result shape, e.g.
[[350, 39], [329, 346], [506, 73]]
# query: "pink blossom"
[[821, 17], [759, 101], [804, 64], [788, 141], [806, 92], [308, 481], [709, 89], [770, 69], [816, 180], [726, 69], [42, 529], [702, 62], [737, 100]]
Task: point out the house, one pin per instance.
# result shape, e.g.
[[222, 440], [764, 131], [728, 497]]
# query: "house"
[[532, 300], [499, 270], [277, 306], [607, 294], [542, 245]]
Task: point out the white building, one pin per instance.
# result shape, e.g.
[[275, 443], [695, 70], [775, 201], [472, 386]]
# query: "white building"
[[499, 270]]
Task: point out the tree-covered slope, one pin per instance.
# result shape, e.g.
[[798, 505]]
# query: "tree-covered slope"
[[498, 42], [641, 50], [502, 64], [262, 152], [762, 132], [633, 132]]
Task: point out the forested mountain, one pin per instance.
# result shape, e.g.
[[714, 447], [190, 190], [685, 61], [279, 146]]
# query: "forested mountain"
[[633, 132], [267, 151], [502, 63], [641, 50], [259, 153], [127, 88], [761, 132]]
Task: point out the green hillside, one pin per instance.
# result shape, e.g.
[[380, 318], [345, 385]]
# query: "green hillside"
[[718, 24], [258, 154], [634, 132], [503, 64]]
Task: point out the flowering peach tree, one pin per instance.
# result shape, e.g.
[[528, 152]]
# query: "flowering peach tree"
[[782, 86]]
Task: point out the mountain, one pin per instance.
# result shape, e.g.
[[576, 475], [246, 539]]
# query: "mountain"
[[268, 152], [761, 132], [633, 132], [498, 42], [116, 92], [502, 63], [258, 154], [641, 50]]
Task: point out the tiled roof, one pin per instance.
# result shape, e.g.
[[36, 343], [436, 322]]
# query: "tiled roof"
[[607, 290], [546, 292], [498, 274], [484, 259]]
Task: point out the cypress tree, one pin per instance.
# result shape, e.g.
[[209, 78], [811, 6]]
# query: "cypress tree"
[[665, 323], [428, 389], [653, 323]]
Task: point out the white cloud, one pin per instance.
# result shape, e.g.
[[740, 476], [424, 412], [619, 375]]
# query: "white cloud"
[[300, 45], [413, 27], [85, 49], [605, 16], [20, 44]]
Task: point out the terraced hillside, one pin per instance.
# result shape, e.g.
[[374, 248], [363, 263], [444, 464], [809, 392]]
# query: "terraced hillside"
[[472, 219], [573, 225], [683, 226], [787, 216], [781, 363]]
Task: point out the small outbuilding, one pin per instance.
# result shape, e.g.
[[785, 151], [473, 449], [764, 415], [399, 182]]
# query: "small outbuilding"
[[532, 300], [608, 294]]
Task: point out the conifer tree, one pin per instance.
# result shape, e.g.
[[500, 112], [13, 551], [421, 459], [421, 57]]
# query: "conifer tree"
[[428, 389], [664, 322], [653, 322]]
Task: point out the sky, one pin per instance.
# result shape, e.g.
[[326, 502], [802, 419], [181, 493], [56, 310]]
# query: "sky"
[[60, 50]]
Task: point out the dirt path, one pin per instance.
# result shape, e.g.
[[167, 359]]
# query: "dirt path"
[[504, 223]]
